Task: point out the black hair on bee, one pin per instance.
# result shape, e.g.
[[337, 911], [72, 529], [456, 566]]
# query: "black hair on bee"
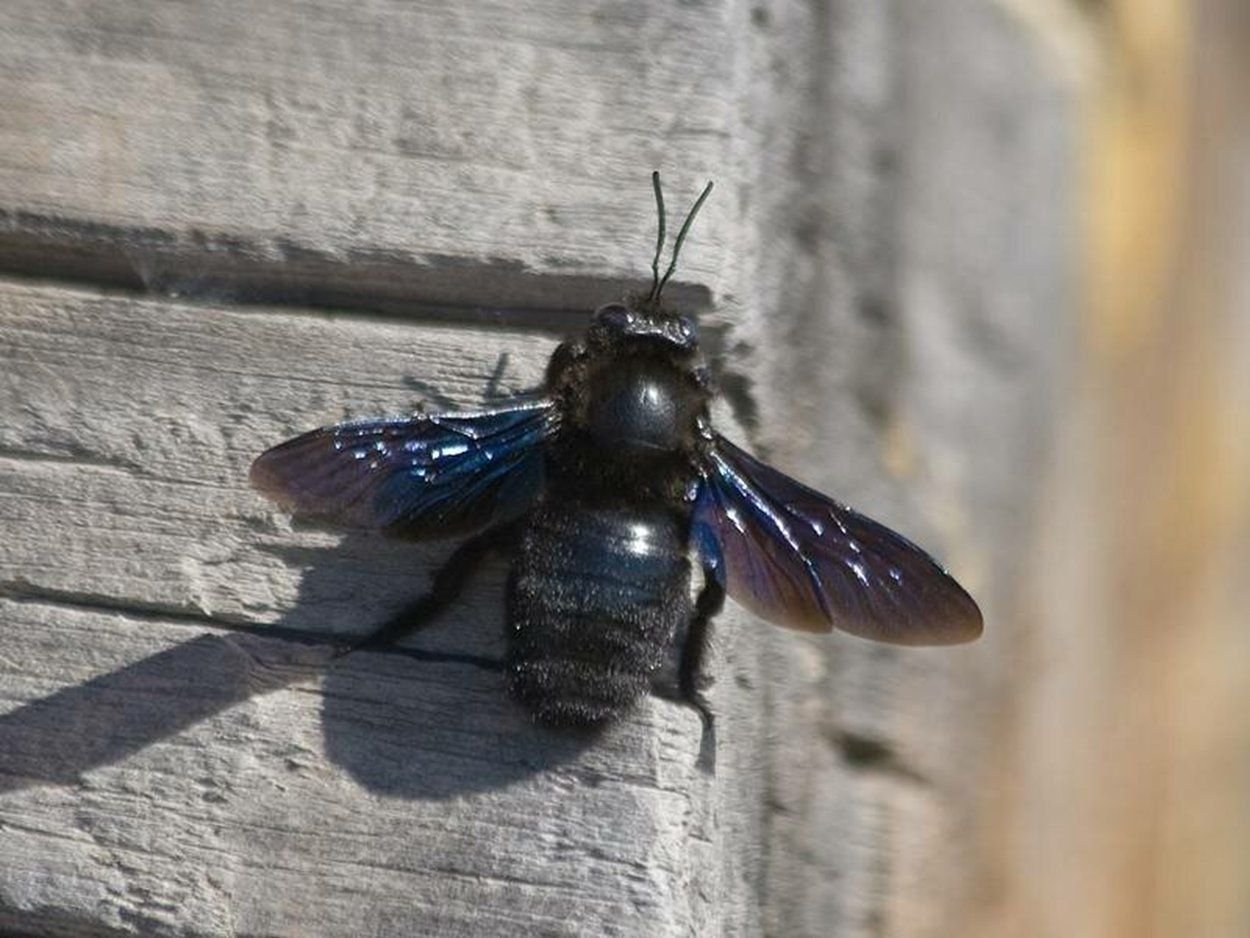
[[600, 491]]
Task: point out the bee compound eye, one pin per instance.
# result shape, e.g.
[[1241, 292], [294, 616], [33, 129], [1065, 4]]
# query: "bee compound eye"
[[615, 316]]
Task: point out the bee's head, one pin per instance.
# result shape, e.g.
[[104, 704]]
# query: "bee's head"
[[643, 320], [635, 383], [623, 325]]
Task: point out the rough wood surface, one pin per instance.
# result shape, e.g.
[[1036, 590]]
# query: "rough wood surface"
[[452, 147], [474, 174], [187, 756]]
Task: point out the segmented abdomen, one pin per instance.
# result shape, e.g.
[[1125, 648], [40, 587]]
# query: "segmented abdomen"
[[595, 599]]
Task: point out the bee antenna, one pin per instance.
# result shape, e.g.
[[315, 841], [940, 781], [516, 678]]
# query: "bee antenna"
[[681, 236], [659, 241]]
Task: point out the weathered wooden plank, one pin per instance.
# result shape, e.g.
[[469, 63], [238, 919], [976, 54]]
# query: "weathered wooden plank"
[[134, 424], [131, 536], [463, 145], [372, 156], [162, 779], [925, 290]]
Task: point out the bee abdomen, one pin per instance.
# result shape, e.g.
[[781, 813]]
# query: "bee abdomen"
[[595, 599]]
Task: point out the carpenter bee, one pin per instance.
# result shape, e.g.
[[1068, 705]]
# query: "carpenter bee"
[[600, 491]]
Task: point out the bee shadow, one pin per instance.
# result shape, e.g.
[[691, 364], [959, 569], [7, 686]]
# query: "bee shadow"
[[432, 720]]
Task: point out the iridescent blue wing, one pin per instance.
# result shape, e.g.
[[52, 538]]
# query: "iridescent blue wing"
[[422, 476], [799, 559]]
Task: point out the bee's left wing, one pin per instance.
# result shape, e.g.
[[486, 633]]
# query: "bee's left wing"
[[804, 561], [423, 476]]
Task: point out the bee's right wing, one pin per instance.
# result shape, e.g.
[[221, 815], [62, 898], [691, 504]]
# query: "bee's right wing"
[[800, 559], [423, 476]]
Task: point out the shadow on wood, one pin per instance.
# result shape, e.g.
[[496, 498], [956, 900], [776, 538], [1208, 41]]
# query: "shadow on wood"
[[405, 722]]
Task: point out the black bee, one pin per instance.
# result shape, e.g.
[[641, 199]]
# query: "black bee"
[[600, 491]]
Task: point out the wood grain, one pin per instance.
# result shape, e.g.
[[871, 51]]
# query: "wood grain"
[[133, 719], [466, 143], [220, 225]]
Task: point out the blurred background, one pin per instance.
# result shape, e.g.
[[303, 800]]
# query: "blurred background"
[[979, 266], [1129, 778]]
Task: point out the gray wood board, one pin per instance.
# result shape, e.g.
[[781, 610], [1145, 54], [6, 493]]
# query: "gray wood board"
[[885, 263], [162, 774], [138, 421], [166, 780], [442, 153]]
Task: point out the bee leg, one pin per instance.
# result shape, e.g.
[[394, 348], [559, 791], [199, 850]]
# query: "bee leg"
[[690, 678], [495, 390], [448, 582]]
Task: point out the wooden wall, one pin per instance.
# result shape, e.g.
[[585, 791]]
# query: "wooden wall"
[[1129, 780], [221, 223]]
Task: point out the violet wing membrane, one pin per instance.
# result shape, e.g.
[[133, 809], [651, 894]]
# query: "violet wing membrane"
[[436, 475], [804, 561]]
